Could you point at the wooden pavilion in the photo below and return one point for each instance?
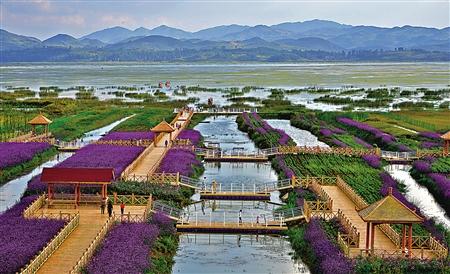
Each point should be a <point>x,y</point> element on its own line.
<point>446,138</point>
<point>162,127</point>
<point>77,177</point>
<point>389,210</point>
<point>40,120</point>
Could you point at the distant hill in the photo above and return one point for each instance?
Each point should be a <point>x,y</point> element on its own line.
<point>309,40</point>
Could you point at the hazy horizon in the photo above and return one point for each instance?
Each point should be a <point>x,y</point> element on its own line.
<point>46,18</point>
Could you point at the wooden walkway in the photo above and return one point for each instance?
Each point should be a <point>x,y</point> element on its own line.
<point>342,201</point>
<point>150,162</point>
<point>71,250</point>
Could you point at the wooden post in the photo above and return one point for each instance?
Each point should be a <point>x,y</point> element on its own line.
<point>115,197</point>
<point>372,238</point>
<point>410,241</point>
<point>403,238</point>
<point>367,237</point>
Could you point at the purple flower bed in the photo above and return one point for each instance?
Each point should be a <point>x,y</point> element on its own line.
<point>126,249</point>
<point>263,128</point>
<point>21,239</point>
<point>129,135</point>
<point>16,153</point>
<point>384,137</point>
<point>193,135</point>
<point>443,184</point>
<point>284,168</point>
<point>430,135</point>
<point>179,160</point>
<point>165,224</point>
<point>339,143</point>
<point>338,130</point>
<point>428,144</point>
<point>422,166</point>
<point>329,257</point>
<point>372,160</point>
<point>326,132</point>
<point>103,156</point>
<point>362,142</point>
<point>388,182</point>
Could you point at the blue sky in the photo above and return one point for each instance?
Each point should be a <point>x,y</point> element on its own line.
<point>45,18</point>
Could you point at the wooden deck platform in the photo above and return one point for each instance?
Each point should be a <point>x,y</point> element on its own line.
<point>70,251</point>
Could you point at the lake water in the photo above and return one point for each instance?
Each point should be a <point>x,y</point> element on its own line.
<point>218,253</point>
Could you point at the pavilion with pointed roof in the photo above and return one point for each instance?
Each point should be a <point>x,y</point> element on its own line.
<point>446,138</point>
<point>389,210</point>
<point>40,120</point>
<point>164,128</point>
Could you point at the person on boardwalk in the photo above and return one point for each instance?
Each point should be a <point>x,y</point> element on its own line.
<point>214,186</point>
<point>122,208</point>
<point>110,208</point>
<point>240,216</point>
<point>102,206</point>
<point>203,207</point>
<point>166,143</point>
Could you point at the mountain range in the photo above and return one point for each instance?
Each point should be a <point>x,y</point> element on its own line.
<point>282,39</point>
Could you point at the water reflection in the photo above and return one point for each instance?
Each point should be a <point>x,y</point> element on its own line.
<point>418,195</point>
<point>301,137</point>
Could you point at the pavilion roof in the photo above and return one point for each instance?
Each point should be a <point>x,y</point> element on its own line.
<point>163,127</point>
<point>446,136</point>
<point>77,175</point>
<point>389,210</point>
<point>40,120</point>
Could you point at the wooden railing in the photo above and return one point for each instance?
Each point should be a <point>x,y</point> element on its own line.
<point>129,218</point>
<point>139,200</point>
<point>48,250</point>
<point>137,161</point>
<point>317,188</point>
<point>352,237</point>
<point>348,190</point>
<point>34,206</point>
<point>89,252</point>
<point>148,207</point>
<point>139,142</point>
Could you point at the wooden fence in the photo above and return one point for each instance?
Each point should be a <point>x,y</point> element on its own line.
<point>139,142</point>
<point>348,190</point>
<point>48,250</point>
<point>136,161</point>
<point>34,206</point>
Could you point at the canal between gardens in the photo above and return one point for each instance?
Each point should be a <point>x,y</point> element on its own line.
<point>219,253</point>
<point>13,190</point>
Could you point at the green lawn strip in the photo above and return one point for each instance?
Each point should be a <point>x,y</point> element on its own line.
<point>74,126</point>
<point>146,118</point>
<point>10,173</point>
<point>348,139</point>
<point>441,165</point>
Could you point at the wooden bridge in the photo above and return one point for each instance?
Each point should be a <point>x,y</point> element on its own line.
<point>216,155</point>
<point>236,191</point>
<point>220,111</point>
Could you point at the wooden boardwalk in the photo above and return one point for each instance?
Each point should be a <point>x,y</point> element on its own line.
<point>150,162</point>
<point>71,250</point>
<point>342,201</point>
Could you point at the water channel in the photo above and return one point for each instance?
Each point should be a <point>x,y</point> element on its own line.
<point>218,253</point>
<point>11,192</point>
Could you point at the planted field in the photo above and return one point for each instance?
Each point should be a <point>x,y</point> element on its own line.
<point>21,239</point>
<point>362,178</point>
<point>145,119</point>
<point>181,160</point>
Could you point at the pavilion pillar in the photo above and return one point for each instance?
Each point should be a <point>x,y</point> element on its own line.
<point>49,190</point>
<point>410,241</point>
<point>403,238</point>
<point>367,237</point>
<point>446,147</point>
<point>372,238</point>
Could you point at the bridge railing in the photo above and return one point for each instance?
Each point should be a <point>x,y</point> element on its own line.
<point>89,253</point>
<point>246,188</point>
<point>170,211</point>
<point>220,110</point>
<point>48,250</point>
<point>232,219</point>
<point>190,182</point>
<point>398,155</point>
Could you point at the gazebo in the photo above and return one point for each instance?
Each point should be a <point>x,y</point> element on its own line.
<point>77,177</point>
<point>40,120</point>
<point>446,138</point>
<point>389,210</point>
<point>162,127</point>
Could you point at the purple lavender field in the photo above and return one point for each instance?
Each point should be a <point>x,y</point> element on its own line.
<point>96,156</point>
<point>179,160</point>
<point>15,153</point>
<point>21,239</point>
<point>193,135</point>
<point>129,135</point>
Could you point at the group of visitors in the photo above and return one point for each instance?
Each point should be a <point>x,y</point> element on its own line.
<point>107,203</point>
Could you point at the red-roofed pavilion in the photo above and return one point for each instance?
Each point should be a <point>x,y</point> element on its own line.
<point>77,177</point>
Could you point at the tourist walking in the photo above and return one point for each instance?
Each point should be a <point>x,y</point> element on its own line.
<point>203,207</point>
<point>102,206</point>
<point>166,143</point>
<point>110,208</point>
<point>122,208</point>
<point>240,216</point>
